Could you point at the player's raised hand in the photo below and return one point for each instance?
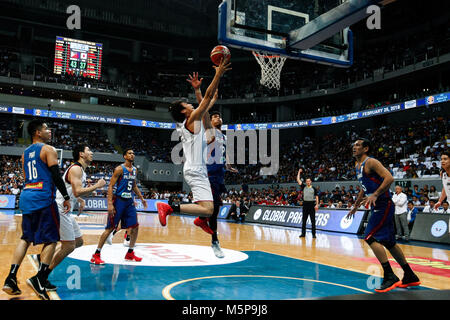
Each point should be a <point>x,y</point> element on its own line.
<point>224,66</point>
<point>194,81</point>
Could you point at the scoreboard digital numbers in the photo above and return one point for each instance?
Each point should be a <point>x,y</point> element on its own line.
<point>78,57</point>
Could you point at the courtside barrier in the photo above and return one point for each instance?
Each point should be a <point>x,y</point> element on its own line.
<point>7,201</point>
<point>326,219</point>
<point>433,227</point>
<point>101,204</point>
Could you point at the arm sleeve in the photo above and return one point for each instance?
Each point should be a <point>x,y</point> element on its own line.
<point>59,183</point>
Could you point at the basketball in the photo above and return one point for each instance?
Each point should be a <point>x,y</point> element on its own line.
<point>218,53</point>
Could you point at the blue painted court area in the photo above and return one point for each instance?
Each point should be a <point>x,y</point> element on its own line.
<point>263,276</point>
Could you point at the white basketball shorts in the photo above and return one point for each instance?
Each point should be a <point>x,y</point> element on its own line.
<point>69,229</point>
<point>197,179</point>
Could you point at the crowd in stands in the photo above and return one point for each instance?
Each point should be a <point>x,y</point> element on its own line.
<point>11,180</point>
<point>146,142</point>
<point>66,134</point>
<point>409,151</point>
<point>8,133</point>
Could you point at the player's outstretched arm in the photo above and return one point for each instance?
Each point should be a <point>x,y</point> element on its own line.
<point>209,130</point>
<point>198,113</point>
<point>75,176</point>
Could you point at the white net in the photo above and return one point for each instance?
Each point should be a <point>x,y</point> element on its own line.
<point>271,66</point>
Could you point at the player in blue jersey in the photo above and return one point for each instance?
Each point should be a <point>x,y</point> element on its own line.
<point>216,166</point>
<point>40,216</point>
<point>121,207</point>
<point>375,181</point>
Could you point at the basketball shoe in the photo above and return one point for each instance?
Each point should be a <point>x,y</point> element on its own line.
<point>10,286</point>
<point>96,259</point>
<point>130,256</point>
<point>390,281</point>
<point>38,288</point>
<point>217,250</point>
<point>409,280</point>
<point>203,223</point>
<point>164,210</point>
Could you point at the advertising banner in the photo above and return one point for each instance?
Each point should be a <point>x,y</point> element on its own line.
<point>101,204</point>
<point>386,109</point>
<point>7,201</point>
<point>432,227</point>
<point>326,219</point>
<point>224,211</point>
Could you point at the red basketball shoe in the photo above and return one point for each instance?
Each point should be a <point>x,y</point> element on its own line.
<point>203,223</point>
<point>164,210</point>
<point>96,259</point>
<point>131,257</point>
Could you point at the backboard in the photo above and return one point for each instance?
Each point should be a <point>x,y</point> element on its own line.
<point>311,30</point>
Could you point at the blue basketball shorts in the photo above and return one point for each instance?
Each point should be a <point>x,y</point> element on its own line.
<point>41,226</point>
<point>126,214</point>
<point>381,222</point>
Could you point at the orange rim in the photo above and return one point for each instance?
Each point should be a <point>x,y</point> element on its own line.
<point>266,56</point>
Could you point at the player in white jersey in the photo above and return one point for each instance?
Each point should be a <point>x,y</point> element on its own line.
<point>445,175</point>
<point>217,164</point>
<point>75,180</point>
<point>191,126</point>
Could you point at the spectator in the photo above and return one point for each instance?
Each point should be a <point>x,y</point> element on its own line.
<point>412,212</point>
<point>430,207</point>
<point>433,194</point>
<point>416,193</point>
<point>401,213</point>
<point>445,208</point>
<point>416,201</point>
<point>434,170</point>
<point>235,210</point>
<point>330,204</point>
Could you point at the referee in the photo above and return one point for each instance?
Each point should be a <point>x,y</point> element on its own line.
<point>310,204</point>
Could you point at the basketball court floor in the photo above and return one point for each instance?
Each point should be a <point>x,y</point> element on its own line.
<point>261,263</point>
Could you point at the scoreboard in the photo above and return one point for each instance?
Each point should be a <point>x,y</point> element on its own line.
<point>78,57</point>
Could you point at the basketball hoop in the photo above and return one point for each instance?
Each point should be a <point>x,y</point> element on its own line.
<point>271,66</point>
